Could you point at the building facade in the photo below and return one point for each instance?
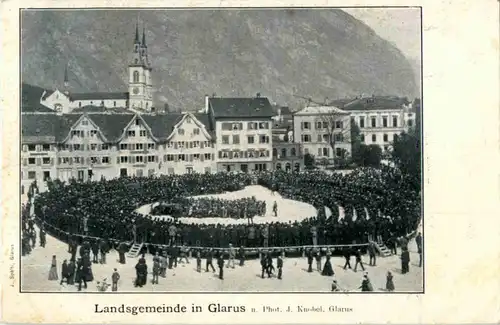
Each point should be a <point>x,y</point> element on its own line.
<point>323,131</point>
<point>244,133</point>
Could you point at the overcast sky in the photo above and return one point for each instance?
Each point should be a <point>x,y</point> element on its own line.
<point>401,26</point>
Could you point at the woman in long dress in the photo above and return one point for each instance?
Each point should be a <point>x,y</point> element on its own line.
<point>53,270</point>
<point>389,286</point>
<point>327,268</point>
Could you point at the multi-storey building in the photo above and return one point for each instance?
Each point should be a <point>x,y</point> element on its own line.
<point>323,131</point>
<point>287,155</point>
<point>244,132</point>
<point>380,118</point>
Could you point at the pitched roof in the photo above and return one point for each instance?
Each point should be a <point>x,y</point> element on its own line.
<point>39,126</point>
<point>101,109</point>
<point>30,98</point>
<point>241,107</point>
<point>320,110</point>
<point>340,103</point>
<point>285,110</point>
<point>376,103</point>
<point>162,125</point>
<point>111,125</point>
<point>98,96</point>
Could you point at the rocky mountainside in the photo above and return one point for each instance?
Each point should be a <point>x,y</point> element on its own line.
<point>279,53</point>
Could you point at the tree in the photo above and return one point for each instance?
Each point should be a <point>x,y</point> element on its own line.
<point>309,161</point>
<point>355,142</point>
<point>406,154</point>
<point>368,156</point>
<point>333,121</point>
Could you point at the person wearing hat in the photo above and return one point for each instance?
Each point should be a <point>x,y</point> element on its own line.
<point>241,254</point>
<point>209,260</point>
<point>405,261</point>
<point>366,284</point>
<point>279,265</point>
<point>220,264</point>
<point>115,277</point>
<point>389,285</point>
<point>310,259</point>
<point>335,286</point>
<point>358,261</point>
<point>230,260</point>
<point>64,272</point>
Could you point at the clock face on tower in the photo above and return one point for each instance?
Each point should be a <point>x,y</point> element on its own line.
<point>135,90</point>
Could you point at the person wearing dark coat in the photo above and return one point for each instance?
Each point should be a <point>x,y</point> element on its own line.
<point>95,251</point>
<point>420,256</point>
<point>405,261</point>
<point>310,259</point>
<point>327,268</point>
<point>65,272</point>
<point>279,265</point>
<point>317,256</point>
<point>43,239</point>
<point>115,277</point>
<point>198,261</point>
<point>270,266</point>
<point>366,284</point>
<point>373,254</point>
<point>358,261</point>
<point>81,274</point>
<point>209,262</point>
<point>263,265</point>
<point>104,249</point>
<point>241,254</point>
<point>347,256</point>
<point>141,270</point>
<point>220,264</point>
<point>122,249</point>
<point>418,240</point>
<point>71,272</point>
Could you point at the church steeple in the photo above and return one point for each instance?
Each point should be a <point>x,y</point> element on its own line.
<point>137,41</point>
<point>66,80</point>
<point>144,37</point>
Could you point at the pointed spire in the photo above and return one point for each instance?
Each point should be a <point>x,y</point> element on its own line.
<point>144,37</point>
<point>137,33</point>
<point>66,79</point>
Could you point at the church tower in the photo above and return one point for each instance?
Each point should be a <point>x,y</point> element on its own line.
<point>140,84</point>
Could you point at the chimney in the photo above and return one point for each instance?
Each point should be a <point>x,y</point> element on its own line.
<point>206,104</point>
<point>258,95</point>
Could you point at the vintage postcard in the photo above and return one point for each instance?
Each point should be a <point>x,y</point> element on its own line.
<point>249,162</point>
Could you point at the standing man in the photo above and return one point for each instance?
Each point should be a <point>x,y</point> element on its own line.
<point>263,264</point>
<point>275,208</point>
<point>279,265</point>
<point>220,264</point>
<point>114,280</point>
<point>241,254</point>
<point>310,260</point>
<point>405,261</point>
<point>358,261</point>
<point>65,272</point>
<point>156,270</point>
<point>265,234</point>
<point>372,251</point>
<point>230,261</point>
<point>210,256</point>
<point>418,240</point>
<point>347,256</point>
<point>314,235</point>
<point>42,236</point>
<point>420,256</point>
<point>198,261</point>
<point>318,260</point>
<point>81,273</point>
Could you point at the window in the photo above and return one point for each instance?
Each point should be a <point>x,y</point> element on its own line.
<point>361,122</point>
<point>236,126</point>
<point>137,121</point>
<point>263,139</point>
<point>77,160</point>
<point>31,161</point>
<point>374,122</point>
<point>320,138</point>
<point>180,144</point>
<point>236,139</point>
<point>31,147</point>
<point>306,138</point>
<point>123,146</point>
<point>339,124</point>
<point>77,147</point>
<point>93,132</point>
<point>136,76</point>
<point>410,123</point>
<point>139,159</point>
<point>262,153</point>
<point>326,152</point>
<point>105,160</point>
<point>293,152</point>
<point>65,160</point>
<point>102,103</point>
<point>131,133</point>
<point>79,104</point>
<point>278,166</point>
<point>93,146</point>
<point>46,147</point>
<point>374,138</point>
<point>318,125</point>
<point>196,156</point>
<point>180,131</point>
<point>46,161</point>
<point>85,122</point>
<point>339,137</point>
<point>251,139</point>
<point>104,146</point>
<point>196,144</point>
<point>395,121</point>
<point>208,156</point>
<point>339,152</point>
<point>142,133</point>
<point>263,125</point>
<point>283,152</point>
<point>31,175</point>
<point>386,138</point>
<point>384,121</point>
<point>196,131</point>
<point>151,158</point>
<point>226,126</point>
<point>139,146</point>
<point>362,137</point>
<point>326,137</point>
<point>124,159</point>
<point>114,103</point>
<point>170,158</point>
<point>77,133</point>
<point>319,152</point>
<point>151,146</point>
<point>93,160</point>
<point>225,139</point>
<point>252,126</point>
<point>182,157</point>
<point>306,125</point>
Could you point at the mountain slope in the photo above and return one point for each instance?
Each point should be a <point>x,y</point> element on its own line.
<point>313,53</point>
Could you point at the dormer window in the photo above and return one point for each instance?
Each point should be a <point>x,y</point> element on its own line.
<point>58,107</point>
<point>79,104</point>
<point>181,131</point>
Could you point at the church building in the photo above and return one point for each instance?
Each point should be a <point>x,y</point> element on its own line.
<point>139,96</point>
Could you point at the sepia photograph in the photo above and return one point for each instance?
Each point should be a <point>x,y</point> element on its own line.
<point>221,150</point>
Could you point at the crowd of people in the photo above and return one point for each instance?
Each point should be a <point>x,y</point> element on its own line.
<point>205,207</point>
<point>377,204</point>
